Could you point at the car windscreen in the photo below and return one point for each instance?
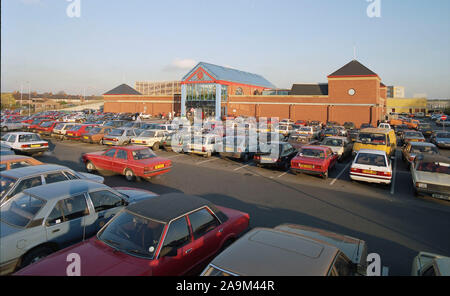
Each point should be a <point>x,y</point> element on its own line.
<point>315,153</point>
<point>145,153</point>
<point>332,131</point>
<point>75,128</point>
<point>46,123</point>
<point>29,138</point>
<point>371,138</point>
<point>148,134</point>
<point>333,142</point>
<point>443,135</point>
<point>95,130</point>
<point>133,234</point>
<point>6,183</point>
<point>413,135</point>
<point>116,132</point>
<point>305,129</point>
<point>371,159</point>
<point>59,126</point>
<point>424,149</point>
<point>434,167</point>
<point>21,210</point>
<point>425,126</point>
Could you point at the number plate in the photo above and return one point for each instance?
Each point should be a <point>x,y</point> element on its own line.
<point>70,134</point>
<point>306,166</point>
<point>229,149</point>
<point>160,166</point>
<point>86,137</point>
<point>266,158</point>
<point>139,142</point>
<point>440,196</point>
<point>369,172</point>
<point>36,145</point>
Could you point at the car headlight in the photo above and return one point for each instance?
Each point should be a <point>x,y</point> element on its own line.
<point>421,185</point>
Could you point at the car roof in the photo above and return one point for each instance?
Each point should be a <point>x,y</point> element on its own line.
<point>21,133</point>
<point>130,148</point>
<point>422,144</point>
<point>375,130</point>
<point>336,137</point>
<point>433,158</point>
<point>372,151</point>
<point>166,207</point>
<point>318,147</point>
<point>265,251</point>
<point>8,158</point>
<point>32,170</point>
<point>63,189</point>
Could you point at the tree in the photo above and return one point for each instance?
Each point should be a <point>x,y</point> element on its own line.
<point>7,100</point>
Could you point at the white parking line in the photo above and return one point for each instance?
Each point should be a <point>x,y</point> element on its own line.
<point>282,174</point>
<point>340,174</point>
<point>170,157</point>
<point>394,175</point>
<point>241,167</point>
<point>209,160</point>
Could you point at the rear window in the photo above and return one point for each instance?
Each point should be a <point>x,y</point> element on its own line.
<point>376,139</point>
<point>21,210</point>
<point>371,159</point>
<point>29,138</point>
<point>434,167</point>
<point>424,149</point>
<point>116,132</point>
<point>316,153</point>
<point>413,134</point>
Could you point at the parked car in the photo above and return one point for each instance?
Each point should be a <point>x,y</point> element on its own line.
<point>308,131</point>
<point>314,160</point>
<point>11,125</point>
<point>349,125</point>
<point>10,162</point>
<point>412,136</point>
<point>59,131</point>
<point>426,129</point>
<point>431,176</point>
<point>291,250</point>
<point>204,145</point>
<point>443,123</point>
<point>339,145</point>
<point>78,131</point>
<point>366,125</point>
<point>372,166</point>
<point>44,219</point>
<point>175,141</point>
<point>301,122</point>
<point>150,138</point>
<point>6,150</point>
<point>353,135</point>
<point>130,161</point>
<point>95,135</point>
<point>400,130</point>
<point>23,142</point>
<point>238,147</point>
<point>441,139</point>
<point>384,125</point>
<point>15,181</point>
<point>36,124</point>
<point>119,136</point>
<point>428,264</point>
<point>376,139</point>
<point>153,237</point>
<point>275,154</point>
<point>329,132</point>
<point>412,149</point>
<point>116,123</point>
<point>47,127</point>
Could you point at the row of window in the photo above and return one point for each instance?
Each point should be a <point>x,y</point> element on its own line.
<point>204,92</point>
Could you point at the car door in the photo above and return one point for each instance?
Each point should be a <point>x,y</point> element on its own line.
<point>178,239</point>
<point>106,205</point>
<point>106,160</point>
<point>65,223</point>
<point>207,233</point>
<point>119,163</point>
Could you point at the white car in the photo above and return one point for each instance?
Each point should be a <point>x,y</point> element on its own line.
<point>145,116</point>
<point>10,125</point>
<point>166,127</point>
<point>204,145</point>
<point>29,143</point>
<point>59,131</point>
<point>384,126</point>
<point>150,138</point>
<point>372,166</point>
<point>339,145</point>
<point>308,131</point>
<point>342,131</point>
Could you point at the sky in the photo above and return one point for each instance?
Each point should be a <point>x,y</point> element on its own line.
<point>286,41</point>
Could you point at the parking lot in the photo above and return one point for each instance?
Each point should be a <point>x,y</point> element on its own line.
<point>394,223</point>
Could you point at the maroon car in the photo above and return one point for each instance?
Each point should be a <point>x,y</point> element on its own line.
<point>315,160</point>
<point>78,131</point>
<point>168,235</point>
<point>130,161</point>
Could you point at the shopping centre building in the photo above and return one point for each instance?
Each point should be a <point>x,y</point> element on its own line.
<point>352,93</point>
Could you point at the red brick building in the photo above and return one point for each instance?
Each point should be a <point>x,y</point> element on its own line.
<point>353,93</point>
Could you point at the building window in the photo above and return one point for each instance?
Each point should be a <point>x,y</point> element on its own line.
<point>239,91</point>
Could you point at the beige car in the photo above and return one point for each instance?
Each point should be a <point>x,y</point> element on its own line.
<point>431,176</point>
<point>291,250</point>
<point>428,264</point>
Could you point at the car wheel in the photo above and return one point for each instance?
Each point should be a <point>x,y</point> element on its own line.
<point>90,167</point>
<point>4,129</point>
<point>35,255</point>
<point>100,142</point>
<point>129,175</point>
<point>155,146</point>
<point>325,175</point>
<point>207,155</point>
<point>245,158</point>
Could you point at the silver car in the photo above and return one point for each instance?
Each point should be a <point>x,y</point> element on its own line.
<point>431,176</point>
<point>13,182</point>
<point>44,219</point>
<point>119,136</point>
<point>10,125</point>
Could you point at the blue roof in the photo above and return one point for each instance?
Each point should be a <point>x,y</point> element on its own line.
<point>231,75</point>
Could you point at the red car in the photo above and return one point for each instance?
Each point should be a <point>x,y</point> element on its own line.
<point>316,160</point>
<point>301,122</point>
<point>78,131</point>
<point>46,127</point>
<point>131,161</point>
<point>35,124</point>
<point>168,235</point>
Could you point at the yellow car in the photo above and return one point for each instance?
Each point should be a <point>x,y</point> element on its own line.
<point>376,139</point>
